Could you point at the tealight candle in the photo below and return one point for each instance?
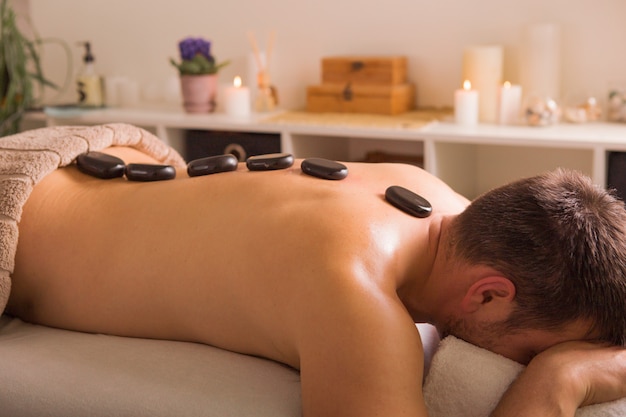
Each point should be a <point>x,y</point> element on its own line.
<point>510,104</point>
<point>466,105</point>
<point>237,99</point>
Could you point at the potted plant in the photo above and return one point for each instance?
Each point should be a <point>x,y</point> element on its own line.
<point>20,71</point>
<point>198,75</point>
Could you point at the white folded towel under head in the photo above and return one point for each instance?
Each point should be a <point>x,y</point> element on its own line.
<point>467,381</point>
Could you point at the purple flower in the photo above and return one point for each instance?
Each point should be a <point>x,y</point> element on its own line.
<point>190,47</point>
<point>196,57</point>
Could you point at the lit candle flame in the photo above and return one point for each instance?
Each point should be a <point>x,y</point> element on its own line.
<point>467,85</point>
<point>507,84</point>
<point>237,81</point>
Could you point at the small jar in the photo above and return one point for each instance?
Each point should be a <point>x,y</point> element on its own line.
<point>541,111</point>
<point>616,108</point>
<point>582,110</point>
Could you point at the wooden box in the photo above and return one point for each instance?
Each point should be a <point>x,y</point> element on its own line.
<point>377,99</point>
<point>364,70</point>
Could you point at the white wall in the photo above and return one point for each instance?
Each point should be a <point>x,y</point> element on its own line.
<point>136,37</point>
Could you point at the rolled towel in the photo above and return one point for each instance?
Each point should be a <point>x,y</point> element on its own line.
<point>467,381</point>
<point>27,157</point>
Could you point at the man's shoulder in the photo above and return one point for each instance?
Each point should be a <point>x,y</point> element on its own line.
<point>347,301</point>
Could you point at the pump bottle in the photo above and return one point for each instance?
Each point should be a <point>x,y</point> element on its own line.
<point>89,83</point>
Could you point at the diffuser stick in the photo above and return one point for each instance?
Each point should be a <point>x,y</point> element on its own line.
<point>255,49</point>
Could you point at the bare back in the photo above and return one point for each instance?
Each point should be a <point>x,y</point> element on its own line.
<point>264,263</point>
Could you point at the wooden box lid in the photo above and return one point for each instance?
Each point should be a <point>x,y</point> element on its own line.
<point>364,70</point>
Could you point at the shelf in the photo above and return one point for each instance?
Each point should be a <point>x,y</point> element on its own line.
<point>589,135</point>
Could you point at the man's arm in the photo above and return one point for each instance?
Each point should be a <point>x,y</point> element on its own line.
<point>565,377</point>
<point>361,355</point>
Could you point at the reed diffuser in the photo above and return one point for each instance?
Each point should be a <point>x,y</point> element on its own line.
<point>267,96</point>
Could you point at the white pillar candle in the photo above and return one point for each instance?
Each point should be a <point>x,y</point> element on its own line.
<point>510,104</point>
<point>483,65</point>
<point>466,105</point>
<point>540,64</point>
<point>237,99</point>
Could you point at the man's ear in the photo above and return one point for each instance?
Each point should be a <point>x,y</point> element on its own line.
<point>492,289</point>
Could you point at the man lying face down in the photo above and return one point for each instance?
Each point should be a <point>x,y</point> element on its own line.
<point>329,278</point>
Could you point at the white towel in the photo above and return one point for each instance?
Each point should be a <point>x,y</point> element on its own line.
<point>467,381</point>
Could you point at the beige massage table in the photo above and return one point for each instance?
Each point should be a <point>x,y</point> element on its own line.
<point>52,372</point>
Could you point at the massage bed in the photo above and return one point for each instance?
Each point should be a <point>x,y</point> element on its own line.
<point>61,373</point>
<point>53,372</point>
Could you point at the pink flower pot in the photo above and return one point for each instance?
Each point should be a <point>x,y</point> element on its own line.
<point>199,92</point>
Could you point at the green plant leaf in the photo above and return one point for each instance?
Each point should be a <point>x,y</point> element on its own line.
<point>199,65</point>
<point>20,71</point>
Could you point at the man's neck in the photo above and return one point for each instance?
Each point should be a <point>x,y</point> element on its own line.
<point>422,291</point>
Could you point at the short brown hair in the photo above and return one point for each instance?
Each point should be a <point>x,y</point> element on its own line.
<point>561,240</point>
